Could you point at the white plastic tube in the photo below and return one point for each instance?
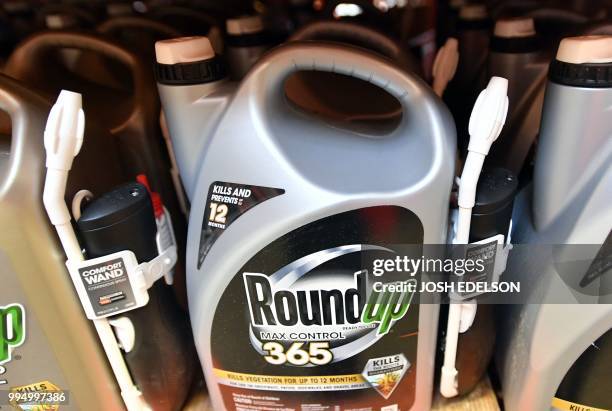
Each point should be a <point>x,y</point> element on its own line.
<point>77,202</point>
<point>467,195</point>
<point>486,122</point>
<point>63,140</point>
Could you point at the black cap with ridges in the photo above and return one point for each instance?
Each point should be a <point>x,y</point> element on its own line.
<point>187,60</point>
<point>515,35</point>
<point>583,62</point>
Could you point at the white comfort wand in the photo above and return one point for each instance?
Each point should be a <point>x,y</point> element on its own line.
<point>486,122</point>
<point>63,140</point>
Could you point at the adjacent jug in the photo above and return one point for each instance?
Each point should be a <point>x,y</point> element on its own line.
<point>283,203</point>
<point>516,52</point>
<point>545,354</point>
<point>247,40</point>
<point>56,345</point>
<point>473,34</point>
<point>119,94</point>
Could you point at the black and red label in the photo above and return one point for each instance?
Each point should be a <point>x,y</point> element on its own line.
<point>586,386</point>
<point>226,202</point>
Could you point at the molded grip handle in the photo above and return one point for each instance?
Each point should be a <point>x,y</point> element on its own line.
<point>27,112</point>
<point>117,24</point>
<point>559,15</point>
<point>31,53</point>
<point>177,12</point>
<point>265,82</point>
<point>599,29</point>
<point>83,16</point>
<point>357,35</point>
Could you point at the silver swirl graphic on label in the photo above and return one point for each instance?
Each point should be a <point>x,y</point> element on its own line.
<point>355,337</point>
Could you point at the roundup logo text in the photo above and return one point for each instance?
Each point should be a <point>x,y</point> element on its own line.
<point>12,330</point>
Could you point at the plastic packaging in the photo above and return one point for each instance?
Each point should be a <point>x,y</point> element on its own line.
<point>568,207</point>
<point>60,346</point>
<point>265,187</point>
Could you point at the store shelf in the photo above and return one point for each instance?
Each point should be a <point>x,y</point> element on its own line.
<point>481,399</point>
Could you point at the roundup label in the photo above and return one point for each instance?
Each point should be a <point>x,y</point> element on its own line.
<point>12,330</point>
<point>226,202</point>
<point>586,386</point>
<point>300,326</point>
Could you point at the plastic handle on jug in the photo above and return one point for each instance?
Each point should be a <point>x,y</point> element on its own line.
<point>554,14</point>
<point>362,36</point>
<point>117,24</point>
<point>34,47</point>
<point>63,140</point>
<point>486,122</point>
<point>168,13</point>
<point>266,80</point>
<point>25,109</point>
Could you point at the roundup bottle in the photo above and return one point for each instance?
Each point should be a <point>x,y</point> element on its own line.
<point>560,355</point>
<point>246,41</point>
<point>473,34</point>
<point>41,319</point>
<point>288,213</point>
<point>516,53</point>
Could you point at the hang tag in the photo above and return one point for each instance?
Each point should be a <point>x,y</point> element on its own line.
<point>109,285</point>
<point>492,254</point>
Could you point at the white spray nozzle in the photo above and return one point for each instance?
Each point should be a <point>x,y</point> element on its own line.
<point>445,65</point>
<point>488,116</point>
<point>64,131</point>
